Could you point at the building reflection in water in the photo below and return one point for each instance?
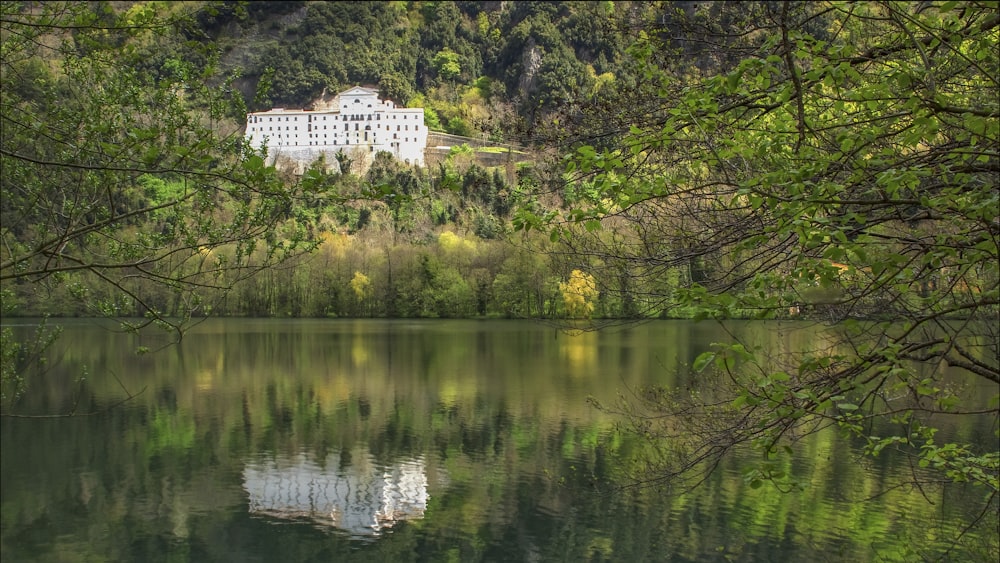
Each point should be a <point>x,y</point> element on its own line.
<point>363,499</point>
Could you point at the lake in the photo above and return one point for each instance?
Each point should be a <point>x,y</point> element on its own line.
<point>379,440</point>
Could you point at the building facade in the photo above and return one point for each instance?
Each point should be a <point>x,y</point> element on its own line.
<point>358,123</point>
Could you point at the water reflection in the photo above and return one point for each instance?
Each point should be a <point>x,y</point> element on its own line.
<point>363,499</point>
<point>306,440</point>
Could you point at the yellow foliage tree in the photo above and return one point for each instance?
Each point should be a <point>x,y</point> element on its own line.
<point>579,294</point>
<point>362,286</point>
<point>452,243</point>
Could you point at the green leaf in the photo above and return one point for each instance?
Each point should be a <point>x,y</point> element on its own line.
<point>702,361</point>
<point>903,80</point>
<point>733,80</point>
<point>254,163</point>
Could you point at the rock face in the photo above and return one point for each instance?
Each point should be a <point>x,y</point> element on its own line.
<point>531,62</point>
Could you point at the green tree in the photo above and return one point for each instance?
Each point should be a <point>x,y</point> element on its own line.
<point>130,193</point>
<point>844,169</point>
<point>445,63</point>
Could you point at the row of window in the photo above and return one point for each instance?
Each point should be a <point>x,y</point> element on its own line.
<point>347,142</point>
<point>346,128</point>
<point>334,143</point>
<point>374,139</point>
<point>356,117</point>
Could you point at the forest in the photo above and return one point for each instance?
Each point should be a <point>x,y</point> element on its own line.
<point>391,241</point>
<point>583,85</point>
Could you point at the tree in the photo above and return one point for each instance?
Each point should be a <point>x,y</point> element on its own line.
<point>445,63</point>
<point>844,170</point>
<point>131,193</point>
<point>362,287</point>
<point>579,294</point>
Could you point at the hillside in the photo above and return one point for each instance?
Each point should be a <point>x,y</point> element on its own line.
<point>494,69</point>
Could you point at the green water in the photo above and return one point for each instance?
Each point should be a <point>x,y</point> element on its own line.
<point>332,440</point>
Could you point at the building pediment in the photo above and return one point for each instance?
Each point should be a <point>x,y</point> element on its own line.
<point>358,91</point>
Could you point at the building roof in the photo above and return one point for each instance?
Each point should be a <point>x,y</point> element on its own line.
<point>359,91</point>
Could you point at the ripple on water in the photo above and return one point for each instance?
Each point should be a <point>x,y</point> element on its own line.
<point>360,497</point>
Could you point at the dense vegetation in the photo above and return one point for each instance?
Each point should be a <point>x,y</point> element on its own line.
<point>837,162</point>
<point>393,227</point>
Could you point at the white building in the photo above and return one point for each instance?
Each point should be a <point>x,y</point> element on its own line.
<point>357,122</point>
